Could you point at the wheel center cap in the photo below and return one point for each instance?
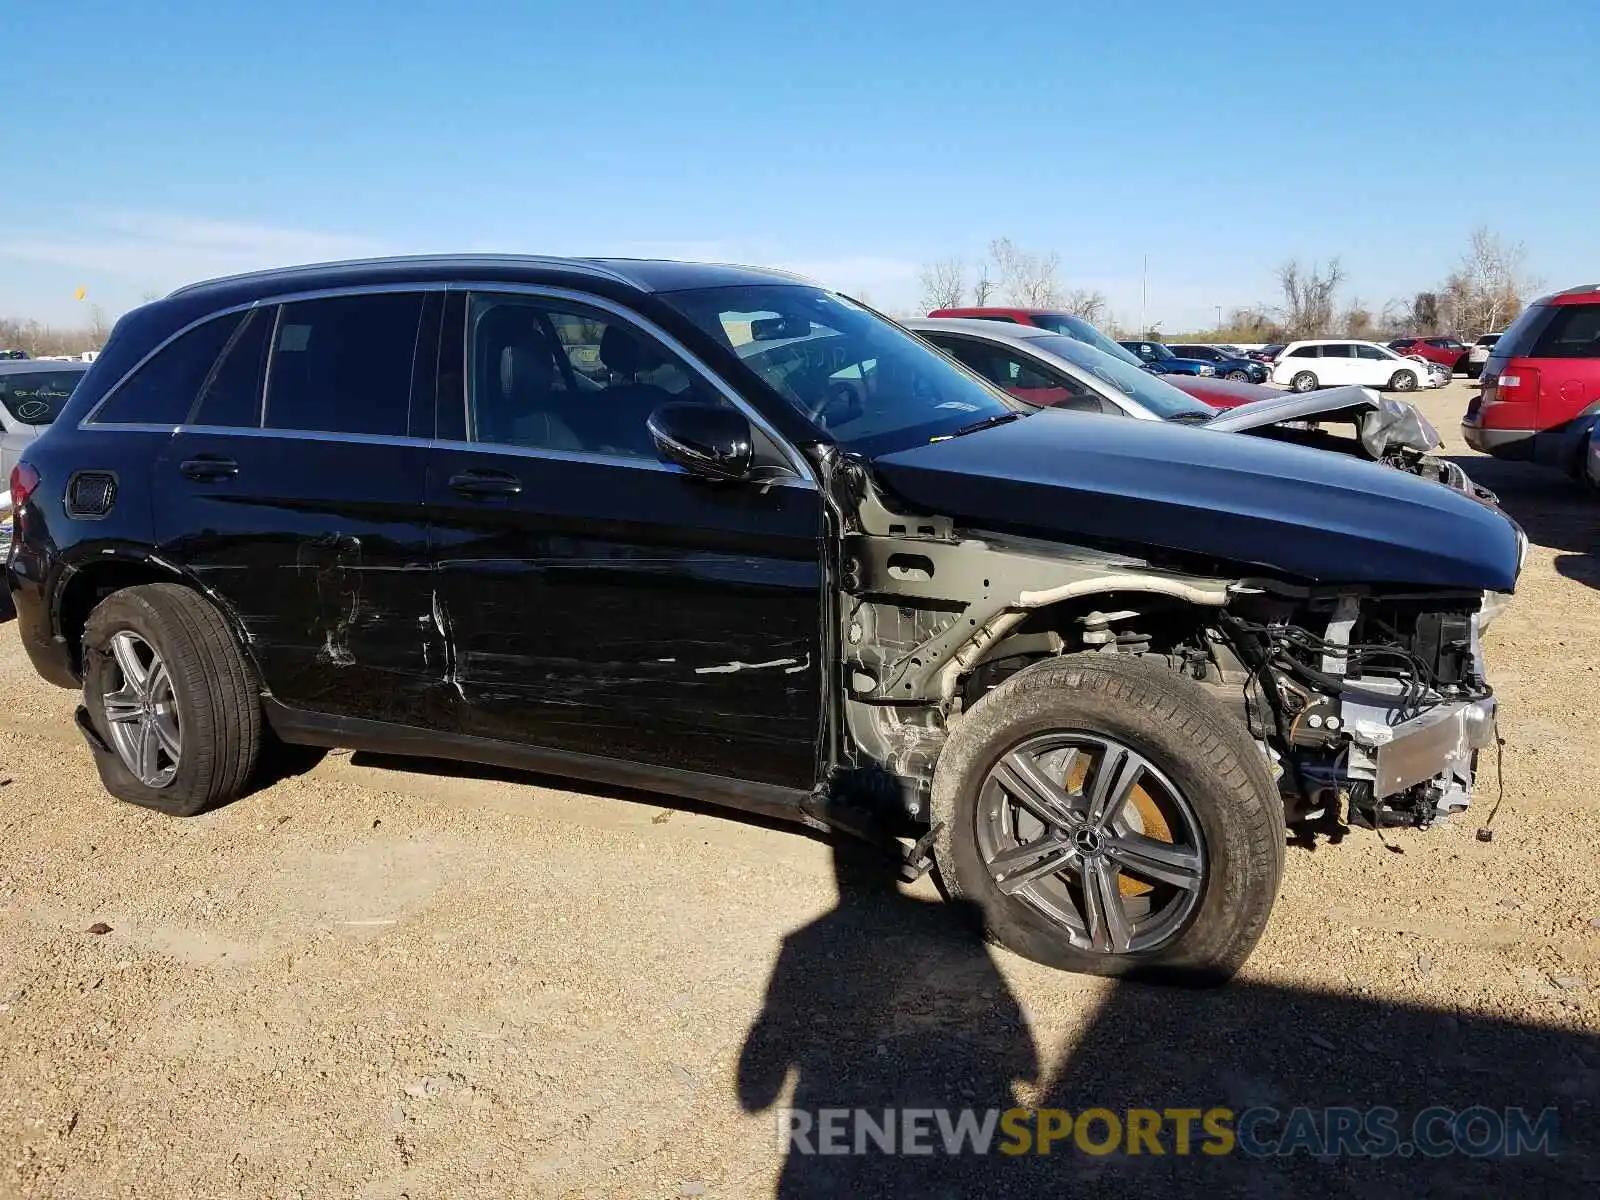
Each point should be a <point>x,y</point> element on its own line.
<point>1086,840</point>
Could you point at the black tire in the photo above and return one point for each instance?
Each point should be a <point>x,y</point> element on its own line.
<point>1303,381</point>
<point>1474,370</point>
<point>1195,742</point>
<point>217,700</point>
<point>1238,376</point>
<point>1403,381</point>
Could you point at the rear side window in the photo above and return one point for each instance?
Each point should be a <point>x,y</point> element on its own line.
<point>1573,332</point>
<point>344,365</point>
<point>162,391</point>
<point>1518,339</point>
<point>231,394</point>
<point>35,397</point>
<point>1303,352</point>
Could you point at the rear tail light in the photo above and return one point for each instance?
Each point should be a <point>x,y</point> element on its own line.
<point>24,482</point>
<point>1512,387</point>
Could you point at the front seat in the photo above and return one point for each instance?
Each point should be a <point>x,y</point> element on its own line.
<point>615,418</point>
<point>515,389</point>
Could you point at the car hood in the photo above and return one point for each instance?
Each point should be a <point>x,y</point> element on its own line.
<point>1383,423</point>
<point>1321,517</point>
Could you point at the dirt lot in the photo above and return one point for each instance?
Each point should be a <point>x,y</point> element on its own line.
<point>380,979</point>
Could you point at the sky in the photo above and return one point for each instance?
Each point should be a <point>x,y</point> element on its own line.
<point>847,139</point>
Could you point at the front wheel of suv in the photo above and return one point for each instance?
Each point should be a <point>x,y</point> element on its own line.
<point>171,698</point>
<point>1403,381</point>
<point>1104,815</point>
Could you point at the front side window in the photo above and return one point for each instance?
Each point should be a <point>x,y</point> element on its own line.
<point>867,382</point>
<point>163,390</point>
<point>1371,352</point>
<point>551,375</point>
<point>1031,382</point>
<point>35,397</point>
<point>344,364</point>
<point>1147,390</point>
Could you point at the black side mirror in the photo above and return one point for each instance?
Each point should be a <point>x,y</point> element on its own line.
<point>709,441</point>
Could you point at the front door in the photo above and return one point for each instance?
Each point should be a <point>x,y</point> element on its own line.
<point>294,493</point>
<point>593,598</point>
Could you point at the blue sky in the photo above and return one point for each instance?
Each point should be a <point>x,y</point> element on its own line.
<point>849,139</point>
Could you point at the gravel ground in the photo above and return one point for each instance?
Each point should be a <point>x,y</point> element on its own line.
<point>385,979</point>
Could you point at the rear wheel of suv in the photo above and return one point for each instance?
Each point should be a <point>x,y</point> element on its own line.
<point>171,697</point>
<point>1107,816</point>
<point>1403,381</point>
<point>1303,381</point>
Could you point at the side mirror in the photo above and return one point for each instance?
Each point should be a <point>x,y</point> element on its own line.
<point>704,439</point>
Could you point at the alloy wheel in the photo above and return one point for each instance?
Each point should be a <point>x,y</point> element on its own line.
<point>1095,838</point>
<point>142,711</point>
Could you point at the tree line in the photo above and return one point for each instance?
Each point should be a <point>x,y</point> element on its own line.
<point>1488,287</point>
<point>38,338</point>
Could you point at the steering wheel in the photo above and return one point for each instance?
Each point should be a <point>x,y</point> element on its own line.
<point>840,395</point>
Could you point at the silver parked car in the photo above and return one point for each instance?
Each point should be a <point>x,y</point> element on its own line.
<point>31,394</point>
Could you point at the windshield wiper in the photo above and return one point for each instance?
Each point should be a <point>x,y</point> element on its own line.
<point>987,423</point>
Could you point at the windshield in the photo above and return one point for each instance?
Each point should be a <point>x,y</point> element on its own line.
<point>1077,327</point>
<point>871,385</point>
<point>1161,398</point>
<point>35,397</point>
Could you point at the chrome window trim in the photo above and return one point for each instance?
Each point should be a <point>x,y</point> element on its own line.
<point>797,460</point>
<point>259,302</point>
<point>402,440</point>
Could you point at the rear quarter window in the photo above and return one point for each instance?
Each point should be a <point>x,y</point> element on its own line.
<point>1573,332</point>
<point>163,389</point>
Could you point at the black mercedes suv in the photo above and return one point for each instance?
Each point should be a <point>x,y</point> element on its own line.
<point>723,533</point>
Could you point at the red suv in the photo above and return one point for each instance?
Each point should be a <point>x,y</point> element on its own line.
<point>1541,385</point>
<point>1448,352</point>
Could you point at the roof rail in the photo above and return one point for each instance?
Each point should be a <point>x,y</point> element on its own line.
<point>581,265</point>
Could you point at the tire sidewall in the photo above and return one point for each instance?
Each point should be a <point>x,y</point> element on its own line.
<point>128,610</point>
<point>1226,923</point>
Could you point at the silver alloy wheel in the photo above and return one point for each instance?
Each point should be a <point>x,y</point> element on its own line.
<point>1305,381</point>
<point>1238,376</point>
<point>1405,381</point>
<point>1092,836</point>
<point>142,711</point>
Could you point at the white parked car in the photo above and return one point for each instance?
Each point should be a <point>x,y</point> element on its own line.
<point>1479,354</point>
<point>1335,362</point>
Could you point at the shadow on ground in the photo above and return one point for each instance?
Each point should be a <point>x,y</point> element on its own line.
<point>1555,511</point>
<point>890,1001</point>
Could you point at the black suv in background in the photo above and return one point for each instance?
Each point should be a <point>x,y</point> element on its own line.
<point>723,533</point>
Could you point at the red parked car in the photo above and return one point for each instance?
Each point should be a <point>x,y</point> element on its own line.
<point>1044,318</point>
<point>1448,352</point>
<point>1222,393</point>
<point>1541,385</point>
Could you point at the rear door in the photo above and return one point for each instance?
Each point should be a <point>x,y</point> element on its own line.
<point>294,491</point>
<point>1338,365</point>
<point>595,600</point>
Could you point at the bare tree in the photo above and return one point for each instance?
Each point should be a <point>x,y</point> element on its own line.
<point>983,288</point>
<point>1026,277</point>
<point>1308,297</point>
<point>1089,304</point>
<point>1488,287</point>
<point>944,284</point>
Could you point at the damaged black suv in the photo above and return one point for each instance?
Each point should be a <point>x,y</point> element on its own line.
<point>722,533</point>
